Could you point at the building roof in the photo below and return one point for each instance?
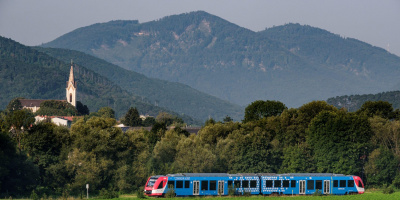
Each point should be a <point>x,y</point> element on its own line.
<point>194,130</point>
<point>191,130</point>
<point>34,102</point>
<point>31,102</point>
<point>68,118</point>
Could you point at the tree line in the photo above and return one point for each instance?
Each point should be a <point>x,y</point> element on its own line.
<point>316,137</point>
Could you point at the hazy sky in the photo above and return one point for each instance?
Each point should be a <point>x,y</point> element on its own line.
<point>373,21</point>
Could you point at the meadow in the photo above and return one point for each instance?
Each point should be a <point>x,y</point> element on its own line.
<point>369,195</point>
<point>375,195</point>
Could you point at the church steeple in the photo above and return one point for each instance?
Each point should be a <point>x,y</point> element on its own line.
<point>71,87</point>
<point>71,73</point>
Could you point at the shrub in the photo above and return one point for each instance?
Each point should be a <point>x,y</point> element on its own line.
<point>396,181</point>
<point>108,194</point>
<point>139,194</point>
<point>317,193</point>
<point>34,196</point>
<point>246,193</point>
<point>65,194</point>
<point>388,190</point>
<point>170,193</point>
<point>231,191</point>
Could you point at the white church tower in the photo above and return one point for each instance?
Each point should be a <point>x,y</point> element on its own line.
<point>71,87</point>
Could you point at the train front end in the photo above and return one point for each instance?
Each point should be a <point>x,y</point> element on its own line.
<point>359,184</point>
<point>155,186</point>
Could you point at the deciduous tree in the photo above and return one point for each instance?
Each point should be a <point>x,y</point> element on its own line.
<point>263,109</point>
<point>339,140</point>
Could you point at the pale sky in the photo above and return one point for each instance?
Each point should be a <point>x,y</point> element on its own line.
<point>376,22</point>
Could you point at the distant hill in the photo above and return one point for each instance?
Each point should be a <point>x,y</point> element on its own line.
<point>28,73</point>
<point>174,96</point>
<point>292,63</point>
<point>354,102</point>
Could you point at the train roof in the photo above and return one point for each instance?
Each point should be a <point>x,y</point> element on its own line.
<point>301,174</point>
<point>251,174</point>
<point>210,175</point>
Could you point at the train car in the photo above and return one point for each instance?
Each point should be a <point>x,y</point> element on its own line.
<point>200,184</point>
<point>309,183</point>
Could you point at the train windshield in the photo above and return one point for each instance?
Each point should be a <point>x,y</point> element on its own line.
<point>360,184</point>
<point>151,182</point>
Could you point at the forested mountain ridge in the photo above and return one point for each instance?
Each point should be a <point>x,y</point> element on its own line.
<point>325,49</point>
<point>32,74</point>
<point>171,95</point>
<point>354,102</point>
<point>291,63</point>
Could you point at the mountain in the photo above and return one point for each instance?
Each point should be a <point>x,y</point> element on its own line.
<point>292,63</point>
<point>28,73</point>
<point>354,102</point>
<point>171,95</point>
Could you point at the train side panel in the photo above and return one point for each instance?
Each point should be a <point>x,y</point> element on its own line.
<point>266,184</point>
<point>306,185</point>
<point>212,186</point>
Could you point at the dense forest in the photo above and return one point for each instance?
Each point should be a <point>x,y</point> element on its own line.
<point>292,63</point>
<point>354,102</point>
<point>171,95</point>
<point>316,137</point>
<point>31,74</point>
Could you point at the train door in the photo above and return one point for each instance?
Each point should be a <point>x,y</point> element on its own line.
<point>196,187</point>
<point>220,187</point>
<point>302,187</point>
<point>327,187</point>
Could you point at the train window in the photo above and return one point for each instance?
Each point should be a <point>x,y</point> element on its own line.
<point>268,183</point>
<point>204,185</point>
<point>179,184</point>
<point>171,184</point>
<point>310,185</point>
<point>161,185</point>
<point>151,182</point>
<point>230,184</point>
<point>293,183</point>
<point>245,184</point>
<point>277,183</point>
<point>342,183</point>
<point>237,184</point>
<point>253,184</point>
<point>213,185</point>
<point>360,185</point>
<point>187,184</point>
<point>350,183</point>
<point>318,184</point>
<point>285,183</point>
<point>335,183</point>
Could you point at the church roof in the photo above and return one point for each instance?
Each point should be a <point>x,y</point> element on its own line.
<point>33,102</point>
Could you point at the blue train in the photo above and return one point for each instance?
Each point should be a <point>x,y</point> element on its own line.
<point>193,184</point>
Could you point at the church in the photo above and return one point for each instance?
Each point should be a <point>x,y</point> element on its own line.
<point>34,104</point>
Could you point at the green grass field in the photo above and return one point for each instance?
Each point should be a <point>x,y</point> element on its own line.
<point>366,196</point>
<point>369,195</point>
